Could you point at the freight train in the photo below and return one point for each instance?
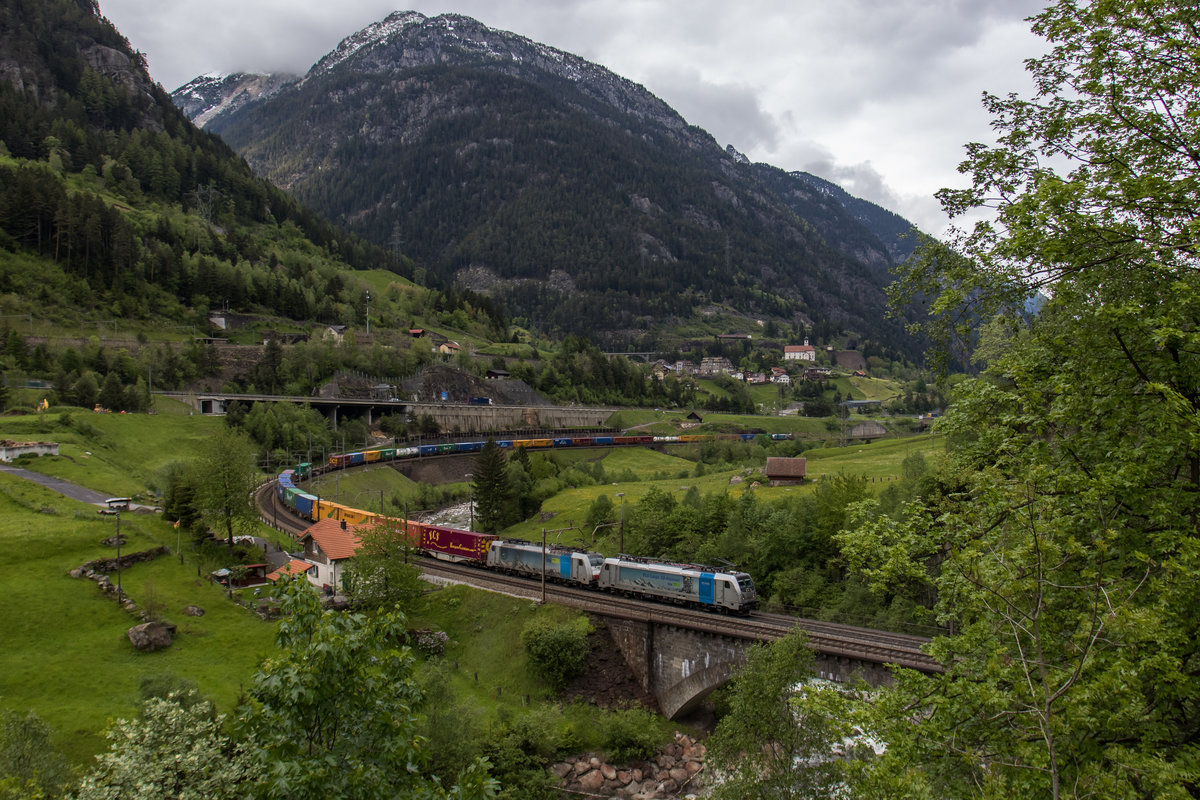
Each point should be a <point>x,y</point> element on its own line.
<point>342,460</point>
<point>687,584</point>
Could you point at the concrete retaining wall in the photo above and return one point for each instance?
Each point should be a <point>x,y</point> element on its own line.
<point>11,450</point>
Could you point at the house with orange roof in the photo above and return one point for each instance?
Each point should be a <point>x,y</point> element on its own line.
<point>327,544</point>
<point>291,569</point>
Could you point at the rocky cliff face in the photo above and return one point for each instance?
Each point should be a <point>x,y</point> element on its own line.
<point>210,95</point>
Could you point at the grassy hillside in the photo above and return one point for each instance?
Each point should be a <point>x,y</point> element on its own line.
<point>66,655</point>
<point>117,454</point>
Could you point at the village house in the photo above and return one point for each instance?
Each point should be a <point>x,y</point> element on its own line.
<point>713,365</point>
<point>328,544</point>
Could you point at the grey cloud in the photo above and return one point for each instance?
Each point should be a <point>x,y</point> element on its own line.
<point>731,112</point>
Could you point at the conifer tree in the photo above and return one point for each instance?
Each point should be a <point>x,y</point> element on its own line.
<point>490,487</point>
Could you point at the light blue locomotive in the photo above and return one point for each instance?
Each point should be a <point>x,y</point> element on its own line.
<point>562,563</point>
<point>686,584</point>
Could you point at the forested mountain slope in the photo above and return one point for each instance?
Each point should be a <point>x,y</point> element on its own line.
<point>113,202</point>
<point>578,198</point>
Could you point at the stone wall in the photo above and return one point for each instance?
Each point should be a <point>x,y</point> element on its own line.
<point>100,570</point>
<point>679,666</point>
<point>482,418</point>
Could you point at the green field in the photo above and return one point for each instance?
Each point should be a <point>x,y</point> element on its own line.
<point>673,472</point>
<point>117,454</point>
<point>66,655</point>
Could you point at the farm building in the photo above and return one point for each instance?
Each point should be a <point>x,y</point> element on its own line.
<point>786,471</point>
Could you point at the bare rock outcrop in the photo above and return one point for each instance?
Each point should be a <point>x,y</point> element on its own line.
<point>151,636</point>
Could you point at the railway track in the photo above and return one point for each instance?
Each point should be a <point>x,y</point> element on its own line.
<point>831,638</point>
<point>865,644</point>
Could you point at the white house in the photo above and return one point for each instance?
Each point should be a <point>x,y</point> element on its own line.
<point>328,544</point>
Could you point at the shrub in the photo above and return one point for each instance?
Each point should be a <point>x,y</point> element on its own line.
<point>557,651</point>
<point>429,642</point>
<point>630,735</point>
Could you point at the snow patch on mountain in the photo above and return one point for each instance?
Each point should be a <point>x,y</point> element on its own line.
<point>205,97</point>
<point>372,34</point>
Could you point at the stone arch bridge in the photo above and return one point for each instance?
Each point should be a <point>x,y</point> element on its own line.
<point>682,662</point>
<point>681,655</point>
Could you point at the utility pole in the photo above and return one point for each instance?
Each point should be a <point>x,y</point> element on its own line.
<point>621,540</point>
<point>118,557</point>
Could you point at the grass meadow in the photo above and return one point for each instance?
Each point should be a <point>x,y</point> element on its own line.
<point>66,655</point>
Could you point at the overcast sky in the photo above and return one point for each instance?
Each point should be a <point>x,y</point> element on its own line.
<point>877,95</point>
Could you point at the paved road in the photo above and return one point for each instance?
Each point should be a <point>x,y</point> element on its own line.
<point>68,489</point>
<point>71,490</point>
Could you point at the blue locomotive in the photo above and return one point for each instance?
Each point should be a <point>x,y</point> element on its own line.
<point>687,584</point>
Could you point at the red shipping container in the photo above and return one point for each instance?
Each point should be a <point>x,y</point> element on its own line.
<point>455,544</point>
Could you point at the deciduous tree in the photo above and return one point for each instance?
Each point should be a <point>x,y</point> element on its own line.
<point>557,651</point>
<point>770,745</point>
<point>225,475</point>
<point>30,766</point>
<point>1062,538</point>
<point>333,714</point>
<point>175,749</point>
<point>380,575</point>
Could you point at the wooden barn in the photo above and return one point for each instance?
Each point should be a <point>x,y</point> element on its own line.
<point>786,471</point>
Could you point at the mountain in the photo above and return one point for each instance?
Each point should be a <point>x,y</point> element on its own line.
<point>113,204</point>
<point>576,197</point>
